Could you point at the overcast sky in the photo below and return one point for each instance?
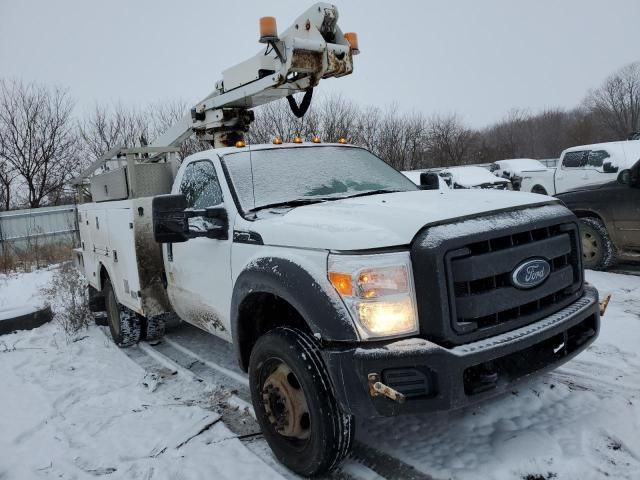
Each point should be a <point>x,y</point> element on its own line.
<point>476,58</point>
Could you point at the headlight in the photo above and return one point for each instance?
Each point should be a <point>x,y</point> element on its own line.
<point>379,292</point>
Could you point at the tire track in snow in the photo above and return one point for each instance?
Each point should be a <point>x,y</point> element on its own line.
<point>364,463</point>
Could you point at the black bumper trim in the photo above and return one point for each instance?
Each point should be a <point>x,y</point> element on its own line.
<point>448,367</point>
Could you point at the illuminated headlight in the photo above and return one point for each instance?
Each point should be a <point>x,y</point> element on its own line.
<point>379,292</point>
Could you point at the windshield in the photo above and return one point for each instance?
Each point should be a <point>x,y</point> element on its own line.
<point>306,174</point>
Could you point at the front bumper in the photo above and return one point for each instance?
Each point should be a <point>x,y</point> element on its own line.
<point>439,378</point>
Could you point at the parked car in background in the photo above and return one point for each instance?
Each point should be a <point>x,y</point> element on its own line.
<point>515,169</point>
<point>582,166</point>
<point>473,177</point>
<point>610,217</point>
<point>418,177</point>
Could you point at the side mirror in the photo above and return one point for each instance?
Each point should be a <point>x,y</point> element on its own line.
<point>607,167</point>
<point>429,181</point>
<point>173,223</point>
<point>625,177</point>
<point>170,223</point>
<point>516,182</point>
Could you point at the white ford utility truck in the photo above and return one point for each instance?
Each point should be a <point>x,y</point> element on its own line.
<point>346,290</point>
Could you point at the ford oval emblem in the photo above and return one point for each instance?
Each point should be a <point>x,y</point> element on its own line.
<point>531,273</point>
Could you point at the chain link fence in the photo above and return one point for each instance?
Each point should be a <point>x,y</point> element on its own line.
<point>37,237</point>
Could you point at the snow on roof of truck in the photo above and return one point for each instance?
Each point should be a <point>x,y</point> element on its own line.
<point>270,146</point>
<point>630,147</point>
<point>520,164</point>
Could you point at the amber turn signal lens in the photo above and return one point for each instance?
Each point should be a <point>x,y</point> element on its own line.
<point>342,141</point>
<point>352,40</point>
<point>240,144</point>
<point>342,283</point>
<point>277,141</point>
<point>316,140</point>
<point>297,140</point>
<point>268,29</point>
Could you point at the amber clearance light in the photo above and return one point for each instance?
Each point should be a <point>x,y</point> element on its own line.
<point>352,40</point>
<point>342,283</point>
<point>268,30</point>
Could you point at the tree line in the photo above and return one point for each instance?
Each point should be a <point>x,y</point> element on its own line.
<point>43,144</point>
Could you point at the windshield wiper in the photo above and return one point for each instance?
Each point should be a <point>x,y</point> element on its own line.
<point>372,192</point>
<point>298,202</point>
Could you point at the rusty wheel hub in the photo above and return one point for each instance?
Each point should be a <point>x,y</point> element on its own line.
<point>285,404</point>
<point>590,245</point>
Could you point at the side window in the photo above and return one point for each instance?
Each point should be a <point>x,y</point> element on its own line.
<point>200,185</point>
<point>597,158</point>
<point>575,159</point>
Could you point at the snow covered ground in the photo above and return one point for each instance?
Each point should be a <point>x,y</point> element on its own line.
<point>19,293</point>
<point>82,409</point>
<point>85,408</point>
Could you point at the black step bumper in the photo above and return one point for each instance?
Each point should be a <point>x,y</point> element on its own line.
<point>435,378</point>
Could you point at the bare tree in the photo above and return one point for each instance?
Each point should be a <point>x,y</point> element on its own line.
<point>7,176</point>
<point>338,118</point>
<point>164,115</point>
<point>111,126</point>
<point>616,103</point>
<point>449,141</point>
<point>276,120</point>
<point>37,136</point>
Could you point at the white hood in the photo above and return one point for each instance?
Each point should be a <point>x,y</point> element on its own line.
<point>379,221</point>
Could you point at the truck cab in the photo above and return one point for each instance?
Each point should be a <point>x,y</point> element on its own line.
<point>610,218</point>
<point>582,166</point>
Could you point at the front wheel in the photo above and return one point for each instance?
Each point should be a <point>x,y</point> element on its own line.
<point>295,405</point>
<point>539,189</point>
<point>598,251</point>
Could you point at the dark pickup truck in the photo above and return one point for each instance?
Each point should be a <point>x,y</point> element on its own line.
<point>610,219</point>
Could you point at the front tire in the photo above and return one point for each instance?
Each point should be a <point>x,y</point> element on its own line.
<point>124,324</point>
<point>539,189</point>
<point>295,405</point>
<point>598,251</point>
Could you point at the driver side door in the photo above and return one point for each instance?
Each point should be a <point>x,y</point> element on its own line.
<point>572,172</point>
<point>626,216</point>
<point>199,270</point>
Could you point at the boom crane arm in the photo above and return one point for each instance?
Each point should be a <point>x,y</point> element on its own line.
<point>313,48</point>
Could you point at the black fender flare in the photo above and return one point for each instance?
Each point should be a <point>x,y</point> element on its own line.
<point>324,315</point>
<point>582,212</point>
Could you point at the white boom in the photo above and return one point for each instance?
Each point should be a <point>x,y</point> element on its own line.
<point>311,49</point>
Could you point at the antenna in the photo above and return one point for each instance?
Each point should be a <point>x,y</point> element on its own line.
<point>253,184</point>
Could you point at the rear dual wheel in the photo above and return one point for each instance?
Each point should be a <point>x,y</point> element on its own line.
<point>124,324</point>
<point>295,405</point>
